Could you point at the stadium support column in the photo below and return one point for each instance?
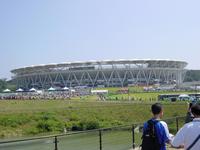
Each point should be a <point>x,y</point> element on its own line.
<point>179,79</point>
<point>17,82</point>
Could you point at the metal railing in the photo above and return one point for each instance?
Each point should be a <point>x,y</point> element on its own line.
<point>120,137</point>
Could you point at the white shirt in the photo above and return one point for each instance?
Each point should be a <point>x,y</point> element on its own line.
<point>166,129</point>
<point>187,135</point>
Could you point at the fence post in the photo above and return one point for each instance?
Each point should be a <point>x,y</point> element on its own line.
<point>177,126</point>
<point>100,140</point>
<point>133,137</point>
<point>56,143</point>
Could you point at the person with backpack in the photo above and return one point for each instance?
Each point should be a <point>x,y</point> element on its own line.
<point>189,135</point>
<point>155,131</point>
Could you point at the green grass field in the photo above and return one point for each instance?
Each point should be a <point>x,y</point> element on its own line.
<point>137,94</point>
<point>23,118</point>
<point>28,118</point>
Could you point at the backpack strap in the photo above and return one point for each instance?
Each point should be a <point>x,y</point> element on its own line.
<point>153,123</point>
<point>154,128</point>
<point>149,122</point>
<point>194,142</point>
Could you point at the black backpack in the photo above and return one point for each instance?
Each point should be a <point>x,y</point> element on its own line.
<point>149,138</point>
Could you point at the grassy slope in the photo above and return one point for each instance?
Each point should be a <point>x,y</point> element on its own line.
<point>24,118</point>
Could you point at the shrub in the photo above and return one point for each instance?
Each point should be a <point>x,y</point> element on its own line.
<point>74,117</point>
<point>47,116</point>
<point>13,121</point>
<point>49,123</point>
<point>85,125</point>
<point>91,124</point>
<point>32,131</point>
<point>76,126</point>
<point>49,126</point>
<point>116,123</point>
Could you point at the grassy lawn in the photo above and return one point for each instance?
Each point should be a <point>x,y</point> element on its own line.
<point>27,118</point>
<point>144,96</point>
<point>137,94</point>
<point>41,117</point>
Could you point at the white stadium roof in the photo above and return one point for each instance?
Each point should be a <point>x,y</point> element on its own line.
<point>177,63</point>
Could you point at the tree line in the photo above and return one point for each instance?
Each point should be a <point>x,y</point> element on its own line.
<point>192,75</point>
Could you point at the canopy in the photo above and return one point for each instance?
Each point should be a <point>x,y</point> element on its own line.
<point>65,88</point>
<point>72,90</point>
<point>184,95</point>
<point>19,90</point>
<point>32,90</point>
<point>51,89</point>
<point>99,91</point>
<point>6,90</point>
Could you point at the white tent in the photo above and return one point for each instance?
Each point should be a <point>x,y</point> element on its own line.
<point>184,96</point>
<point>19,90</point>
<point>99,91</point>
<point>39,91</point>
<point>65,88</point>
<point>32,90</point>
<point>6,90</point>
<point>51,89</point>
<point>72,90</point>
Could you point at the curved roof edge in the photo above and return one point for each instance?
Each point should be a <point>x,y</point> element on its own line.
<point>96,62</point>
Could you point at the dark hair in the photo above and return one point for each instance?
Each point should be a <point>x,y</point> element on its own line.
<point>195,109</point>
<point>156,108</point>
<point>190,105</point>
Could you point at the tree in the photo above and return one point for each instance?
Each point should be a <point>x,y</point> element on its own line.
<point>3,84</point>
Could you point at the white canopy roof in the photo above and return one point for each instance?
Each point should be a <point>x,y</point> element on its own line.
<point>65,88</point>
<point>6,90</point>
<point>32,90</point>
<point>72,90</point>
<point>19,90</point>
<point>184,95</point>
<point>99,91</point>
<point>51,89</point>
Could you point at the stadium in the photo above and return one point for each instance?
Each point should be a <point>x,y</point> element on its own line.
<point>108,73</point>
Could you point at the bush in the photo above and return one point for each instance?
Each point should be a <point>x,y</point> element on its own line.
<point>68,125</point>
<point>92,124</point>
<point>85,125</point>
<point>32,131</point>
<point>13,121</point>
<point>74,117</point>
<point>49,123</point>
<point>76,126</point>
<point>47,116</point>
<point>116,123</point>
<point>49,126</point>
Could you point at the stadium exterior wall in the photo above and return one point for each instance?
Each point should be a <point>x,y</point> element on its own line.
<point>101,73</point>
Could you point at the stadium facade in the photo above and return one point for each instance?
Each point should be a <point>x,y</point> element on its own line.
<point>101,73</point>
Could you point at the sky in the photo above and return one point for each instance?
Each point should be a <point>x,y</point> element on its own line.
<point>36,32</point>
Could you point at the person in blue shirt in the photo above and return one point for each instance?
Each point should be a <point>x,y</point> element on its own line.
<point>160,127</point>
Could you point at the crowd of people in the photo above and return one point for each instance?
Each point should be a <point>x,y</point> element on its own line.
<point>44,95</point>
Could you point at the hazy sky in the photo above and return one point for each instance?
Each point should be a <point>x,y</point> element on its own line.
<point>52,31</point>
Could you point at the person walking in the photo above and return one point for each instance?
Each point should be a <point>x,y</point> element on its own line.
<point>188,136</point>
<point>155,132</point>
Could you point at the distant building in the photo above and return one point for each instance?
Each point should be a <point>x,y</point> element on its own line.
<point>101,73</point>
